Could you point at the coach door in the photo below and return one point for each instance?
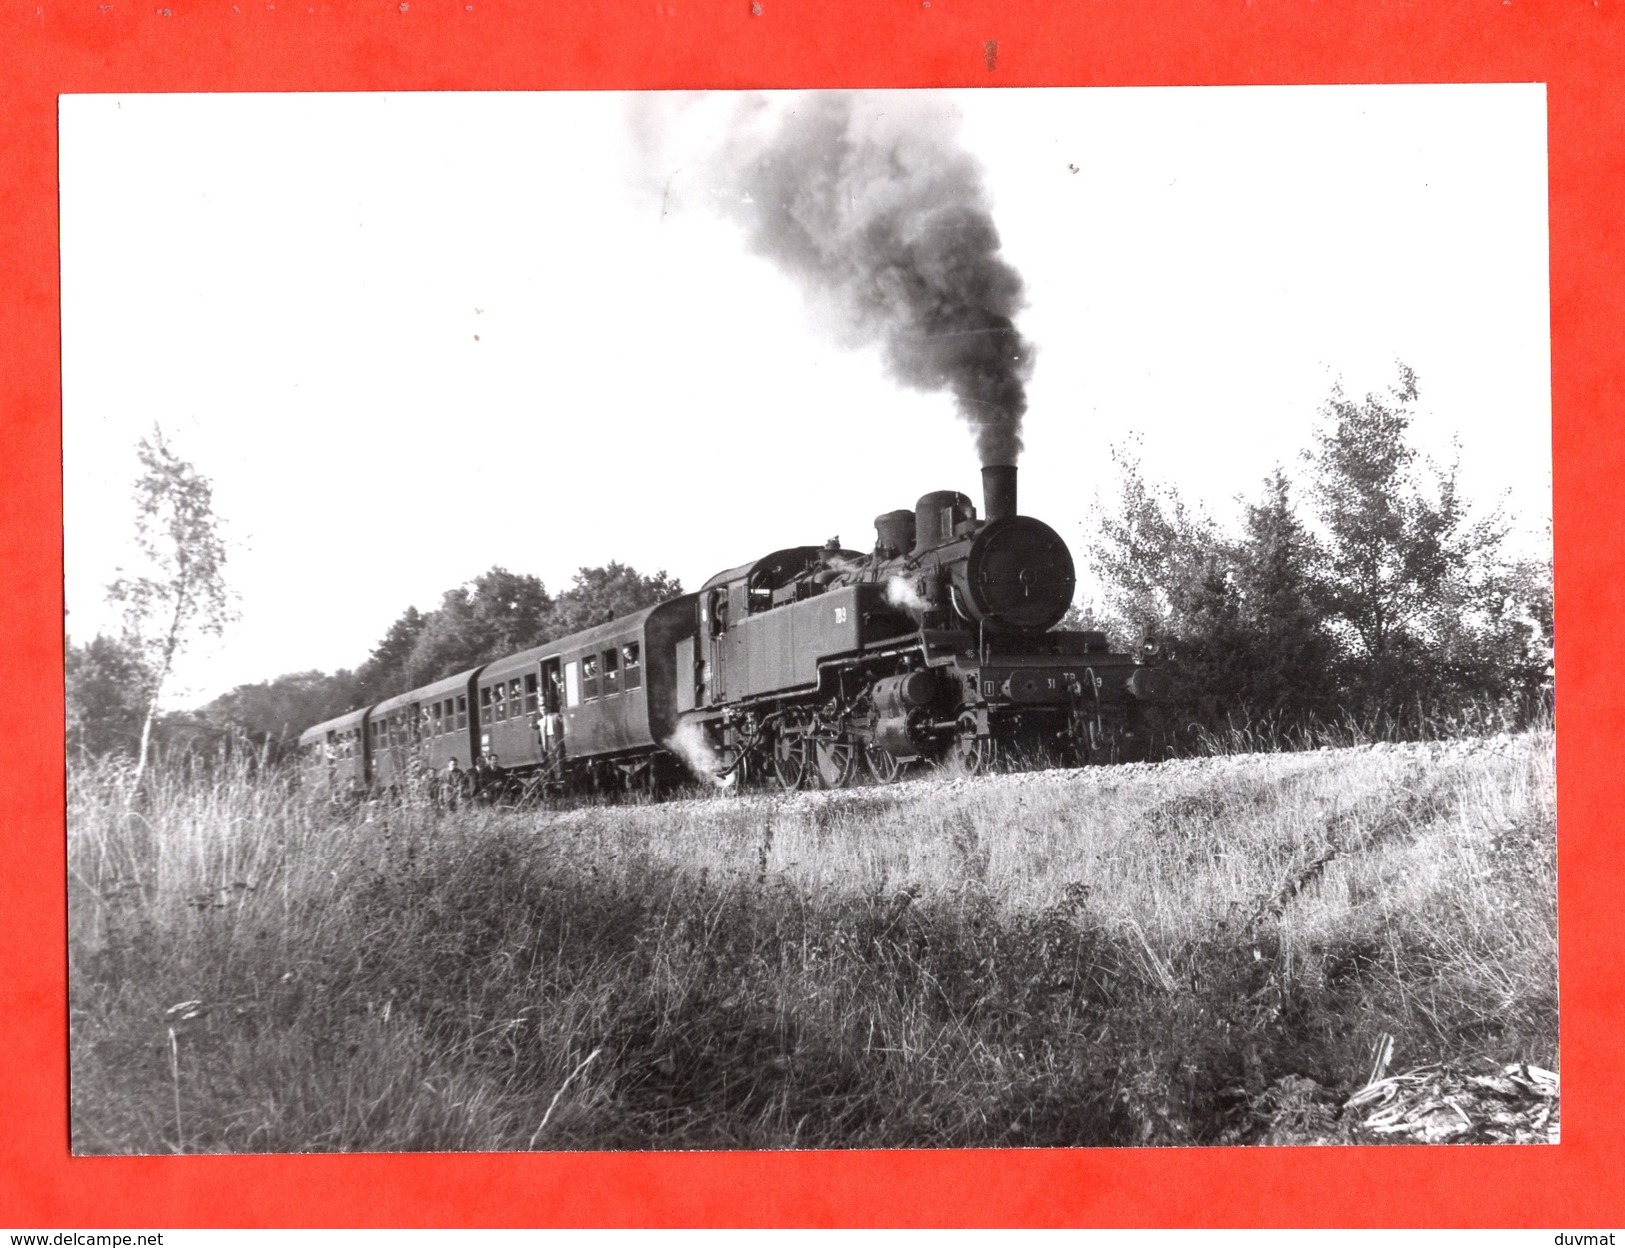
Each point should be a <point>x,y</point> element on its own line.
<point>552,707</point>
<point>716,630</point>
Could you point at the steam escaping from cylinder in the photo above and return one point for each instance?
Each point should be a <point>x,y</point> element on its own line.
<point>900,592</point>
<point>690,745</point>
<point>869,202</point>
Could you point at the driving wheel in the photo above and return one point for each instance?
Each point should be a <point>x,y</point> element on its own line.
<point>974,753</point>
<point>835,760</point>
<point>790,762</point>
<point>882,764</point>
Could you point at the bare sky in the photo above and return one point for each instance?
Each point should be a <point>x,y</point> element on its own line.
<point>413,336</point>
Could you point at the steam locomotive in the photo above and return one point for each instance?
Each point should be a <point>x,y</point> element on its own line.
<point>803,666</point>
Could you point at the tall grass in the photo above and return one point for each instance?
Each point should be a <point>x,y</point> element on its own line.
<point>1202,952</point>
<point>1269,731</point>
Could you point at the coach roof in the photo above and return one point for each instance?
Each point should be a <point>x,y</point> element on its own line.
<point>350,719</point>
<point>451,684</point>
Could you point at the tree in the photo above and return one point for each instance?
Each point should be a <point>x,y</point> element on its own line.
<point>385,671</point>
<point>106,682</point>
<point>1165,570</point>
<point>449,642</point>
<point>273,713</point>
<point>496,613</point>
<point>508,611</point>
<point>181,591</point>
<point>1401,557</point>
<point>1160,564</point>
<point>1287,655</point>
<point>601,594</point>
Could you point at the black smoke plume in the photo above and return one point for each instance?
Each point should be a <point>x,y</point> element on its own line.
<point>871,204</point>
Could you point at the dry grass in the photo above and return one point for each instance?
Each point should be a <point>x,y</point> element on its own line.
<point>1201,952</point>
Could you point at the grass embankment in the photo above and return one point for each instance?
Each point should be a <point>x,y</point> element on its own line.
<point>1202,952</point>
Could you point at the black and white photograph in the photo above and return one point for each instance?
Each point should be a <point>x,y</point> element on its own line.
<point>978,618</point>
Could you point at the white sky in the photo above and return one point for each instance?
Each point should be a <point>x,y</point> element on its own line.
<point>412,336</point>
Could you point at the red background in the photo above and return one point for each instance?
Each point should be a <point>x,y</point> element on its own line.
<point>58,46</point>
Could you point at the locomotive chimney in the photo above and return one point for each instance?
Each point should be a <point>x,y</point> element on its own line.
<point>998,491</point>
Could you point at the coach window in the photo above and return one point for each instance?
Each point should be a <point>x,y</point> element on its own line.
<point>630,664</point>
<point>499,702</point>
<point>530,693</point>
<point>589,677</point>
<point>485,705</point>
<point>572,683</point>
<point>439,718</point>
<point>515,699</point>
<point>612,671</point>
<point>462,710</point>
